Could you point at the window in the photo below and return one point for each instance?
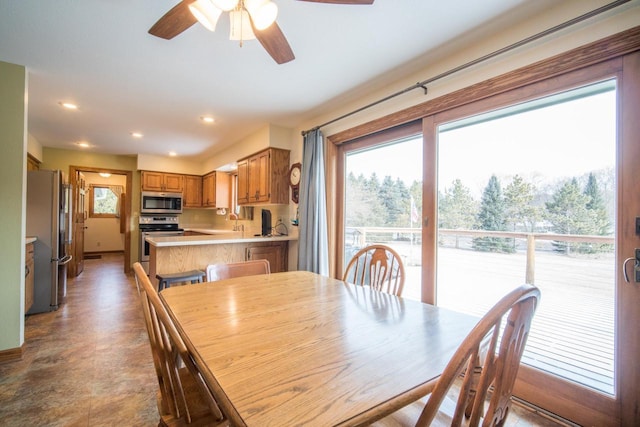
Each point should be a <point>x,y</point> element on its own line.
<point>104,201</point>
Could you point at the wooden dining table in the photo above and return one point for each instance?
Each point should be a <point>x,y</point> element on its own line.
<point>301,349</point>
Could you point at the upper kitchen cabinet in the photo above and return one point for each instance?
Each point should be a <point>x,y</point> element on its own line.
<point>215,190</point>
<point>158,181</point>
<point>192,196</point>
<point>263,178</point>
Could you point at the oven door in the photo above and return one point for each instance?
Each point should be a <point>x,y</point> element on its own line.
<point>144,245</point>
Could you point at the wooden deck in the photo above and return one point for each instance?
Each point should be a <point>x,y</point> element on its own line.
<point>573,329</point>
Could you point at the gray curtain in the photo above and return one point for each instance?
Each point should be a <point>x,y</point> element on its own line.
<point>313,244</point>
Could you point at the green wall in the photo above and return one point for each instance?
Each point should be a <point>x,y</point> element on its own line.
<point>53,158</point>
<point>13,140</point>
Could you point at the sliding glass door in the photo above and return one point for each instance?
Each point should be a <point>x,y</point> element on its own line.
<point>537,183</point>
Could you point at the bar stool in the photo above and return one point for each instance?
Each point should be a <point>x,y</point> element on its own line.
<point>166,279</point>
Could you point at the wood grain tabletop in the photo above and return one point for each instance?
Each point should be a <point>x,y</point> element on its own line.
<point>300,349</point>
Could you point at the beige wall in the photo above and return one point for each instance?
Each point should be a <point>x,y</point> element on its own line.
<point>13,140</point>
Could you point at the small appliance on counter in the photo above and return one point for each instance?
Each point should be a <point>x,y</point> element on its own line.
<point>266,222</point>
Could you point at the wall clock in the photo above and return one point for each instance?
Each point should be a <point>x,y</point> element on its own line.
<point>295,174</point>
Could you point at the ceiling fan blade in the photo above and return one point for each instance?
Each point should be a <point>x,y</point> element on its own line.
<point>174,22</point>
<point>275,43</point>
<point>341,1</point>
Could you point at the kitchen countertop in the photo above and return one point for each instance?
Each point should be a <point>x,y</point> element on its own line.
<point>215,237</point>
<point>30,239</point>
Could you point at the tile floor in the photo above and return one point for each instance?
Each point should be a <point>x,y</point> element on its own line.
<point>89,363</point>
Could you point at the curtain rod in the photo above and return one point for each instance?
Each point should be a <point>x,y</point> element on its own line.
<point>423,84</point>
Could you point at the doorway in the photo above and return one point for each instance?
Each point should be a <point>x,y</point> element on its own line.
<point>80,192</point>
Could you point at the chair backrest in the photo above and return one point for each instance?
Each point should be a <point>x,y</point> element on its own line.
<point>485,365</point>
<point>237,269</point>
<point>170,352</point>
<point>167,404</point>
<point>378,266</point>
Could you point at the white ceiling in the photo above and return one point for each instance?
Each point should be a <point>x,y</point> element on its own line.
<point>98,54</point>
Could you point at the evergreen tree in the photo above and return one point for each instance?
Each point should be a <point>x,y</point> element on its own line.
<point>520,208</point>
<point>456,208</point>
<point>393,195</point>
<point>597,206</point>
<point>491,216</point>
<point>568,213</point>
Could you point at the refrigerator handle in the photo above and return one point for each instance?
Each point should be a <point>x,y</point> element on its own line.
<point>64,260</point>
<point>69,218</point>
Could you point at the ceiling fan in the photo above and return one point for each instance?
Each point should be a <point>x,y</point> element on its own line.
<point>249,19</point>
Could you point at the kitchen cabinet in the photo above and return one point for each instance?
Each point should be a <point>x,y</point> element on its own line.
<point>158,181</point>
<point>263,178</point>
<point>274,252</point>
<point>243,182</point>
<point>215,190</point>
<point>28,277</point>
<point>192,195</point>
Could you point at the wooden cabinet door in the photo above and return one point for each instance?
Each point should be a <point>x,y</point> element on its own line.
<point>243,182</point>
<point>275,253</point>
<point>173,183</point>
<point>263,172</point>
<point>209,190</point>
<point>158,181</point>
<point>192,191</point>
<point>152,181</point>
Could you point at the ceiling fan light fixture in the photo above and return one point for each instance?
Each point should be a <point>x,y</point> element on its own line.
<point>240,28</point>
<point>263,12</point>
<point>206,13</point>
<point>225,5</point>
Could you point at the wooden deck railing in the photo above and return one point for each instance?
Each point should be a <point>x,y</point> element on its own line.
<point>360,234</point>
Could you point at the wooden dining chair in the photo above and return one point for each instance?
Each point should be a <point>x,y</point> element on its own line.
<point>378,266</point>
<point>184,398</point>
<point>488,358</point>
<point>223,271</point>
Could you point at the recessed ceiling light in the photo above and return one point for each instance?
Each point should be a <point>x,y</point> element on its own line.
<point>83,144</point>
<point>68,105</point>
<point>172,153</point>
<point>207,119</point>
<point>105,174</point>
<point>136,134</point>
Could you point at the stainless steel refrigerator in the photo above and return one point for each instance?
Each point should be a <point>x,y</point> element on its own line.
<point>48,219</point>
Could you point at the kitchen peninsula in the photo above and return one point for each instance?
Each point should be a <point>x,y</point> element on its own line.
<point>183,253</point>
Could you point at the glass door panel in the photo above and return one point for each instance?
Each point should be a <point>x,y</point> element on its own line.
<point>527,194</point>
<point>383,198</point>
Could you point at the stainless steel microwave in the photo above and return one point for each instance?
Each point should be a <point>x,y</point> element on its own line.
<point>160,203</point>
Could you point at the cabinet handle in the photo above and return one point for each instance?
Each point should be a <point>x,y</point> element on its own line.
<point>27,270</point>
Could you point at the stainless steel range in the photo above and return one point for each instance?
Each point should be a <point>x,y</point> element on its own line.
<point>156,226</point>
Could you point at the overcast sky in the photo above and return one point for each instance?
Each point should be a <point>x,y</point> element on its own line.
<point>563,140</point>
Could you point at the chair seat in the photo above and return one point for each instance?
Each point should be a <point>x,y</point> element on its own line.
<point>165,280</point>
